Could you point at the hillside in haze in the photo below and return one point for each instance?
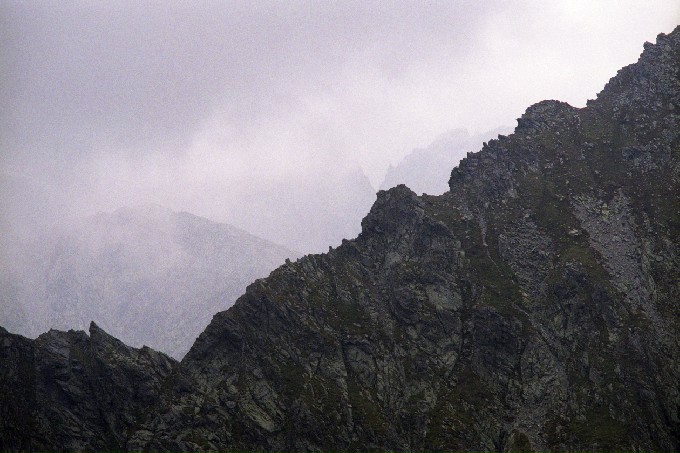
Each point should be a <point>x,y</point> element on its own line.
<point>426,170</point>
<point>531,307</point>
<point>149,275</point>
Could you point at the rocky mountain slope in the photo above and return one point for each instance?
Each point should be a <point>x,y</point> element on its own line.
<point>426,170</point>
<point>534,306</point>
<point>148,275</point>
<point>67,391</point>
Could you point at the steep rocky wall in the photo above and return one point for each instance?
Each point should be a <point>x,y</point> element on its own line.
<point>534,306</point>
<point>67,391</point>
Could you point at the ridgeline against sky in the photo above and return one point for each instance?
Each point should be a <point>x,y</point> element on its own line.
<point>532,307</point>
<point>248,114</point>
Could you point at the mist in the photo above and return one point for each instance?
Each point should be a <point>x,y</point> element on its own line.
<point>280,118</point>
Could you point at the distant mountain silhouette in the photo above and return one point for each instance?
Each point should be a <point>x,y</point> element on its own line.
<point>147,274</point>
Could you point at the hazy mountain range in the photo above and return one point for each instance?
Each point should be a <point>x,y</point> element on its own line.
<point>147,274</point>
<point>531,307</point>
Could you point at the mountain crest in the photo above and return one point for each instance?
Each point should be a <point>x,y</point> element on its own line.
<point>531,307</point>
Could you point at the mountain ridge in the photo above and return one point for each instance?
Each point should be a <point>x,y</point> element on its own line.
<point>106,386</point>
<point>493,284</point>
<point>531,307</point>
<point>425,170</point>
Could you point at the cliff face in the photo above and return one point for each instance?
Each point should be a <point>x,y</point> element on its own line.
<point>533,306</point>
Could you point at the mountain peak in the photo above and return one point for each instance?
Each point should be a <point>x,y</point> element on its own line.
<point>544,115</point>
<point>532,307</point>
<point>541,287</point>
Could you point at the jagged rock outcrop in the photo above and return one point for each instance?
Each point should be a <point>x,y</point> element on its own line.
<point>67,391</point>
<point>426,170</point>
<point>534,306</point>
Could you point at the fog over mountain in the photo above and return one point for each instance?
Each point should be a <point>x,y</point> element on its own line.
<point>266,115</point>
<point>531,307</point>
<point>153,276</point>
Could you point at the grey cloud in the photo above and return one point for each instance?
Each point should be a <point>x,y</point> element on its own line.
<point>121,73</point>
<point>194,104</point>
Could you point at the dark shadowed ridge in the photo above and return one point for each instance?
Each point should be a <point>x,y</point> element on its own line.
<point>67,391</point>
<point>531,307</point>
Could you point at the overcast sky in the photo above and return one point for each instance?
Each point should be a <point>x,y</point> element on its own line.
<point>115,103</point>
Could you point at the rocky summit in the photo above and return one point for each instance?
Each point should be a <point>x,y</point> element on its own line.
<point>534,306</point>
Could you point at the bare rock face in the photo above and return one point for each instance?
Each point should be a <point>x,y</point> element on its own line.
<point>426,170</point>
<point>69,391</point>
<point>534,306</point>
